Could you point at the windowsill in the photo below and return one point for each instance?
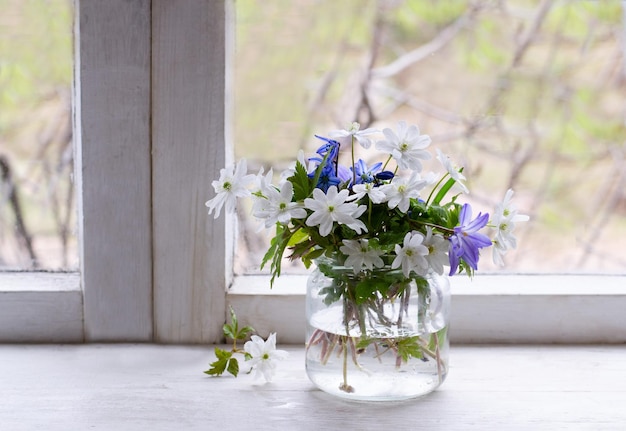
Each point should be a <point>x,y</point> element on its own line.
<point>151,387</point>
<point>541,308</point>
<point>41,307</point>
<point>48,307</point>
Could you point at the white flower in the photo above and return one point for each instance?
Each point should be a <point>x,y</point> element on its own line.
<point>262,182</point>
<point>438,247</point>
<point>407,146</point>
<point>401,190</point>
<point>454,173</point>
<point>279,207</point>
<point>374,192</point>
<point>498,251</point>
<point>504,219</point>
<point>263,354</point>
<point>411,256</point>
<point>360,135</point>
<point>361,255</point>
<point>229,187</point>
<point>332,207</point>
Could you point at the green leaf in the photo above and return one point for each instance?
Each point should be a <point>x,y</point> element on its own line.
<point>367,289</point>
<point>218,367</point>
<point>229,331</point>
<point>444,189</point>
<point>409,347</point>
<point>233,367</point>
<point>365,342</point>
<point>301,183</point>
<point>437,338</point>
<point>276,251</point>
<point>298,236</point>
<point>312,255</point>
<point>232,331</point>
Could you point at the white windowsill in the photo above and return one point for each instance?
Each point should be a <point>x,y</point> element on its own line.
<point>47,307</point>
<point>488,309</point>
<point>151,387</point>
<point>41,307</point>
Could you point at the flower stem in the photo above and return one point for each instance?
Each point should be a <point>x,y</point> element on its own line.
<point>435,188</point>
<point>345,386</point>
<point>386,163</point>
<point>353,165</point>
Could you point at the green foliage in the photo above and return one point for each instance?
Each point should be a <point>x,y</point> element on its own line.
<point>409,347</point>
<point>575,19</point>
<point>437,338</point>
<point>276,250</point>
<point>302,184</point>
<point>283,55</point>
<point>35,54</point>
<point>405,347</point>
<point>413,15</point>
<point>225,361</point>
<point>483,50</point>
<point>233,331</point>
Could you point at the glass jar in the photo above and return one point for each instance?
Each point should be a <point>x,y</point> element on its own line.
<point>376,335</point>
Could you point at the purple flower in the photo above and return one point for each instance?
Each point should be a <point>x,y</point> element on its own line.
<point>466,241</point>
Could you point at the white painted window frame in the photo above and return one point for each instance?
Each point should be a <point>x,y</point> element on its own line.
<point>152,107</point>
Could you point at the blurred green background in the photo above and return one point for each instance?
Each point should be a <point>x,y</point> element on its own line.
<point>523,94</point>
<point>37,216</point>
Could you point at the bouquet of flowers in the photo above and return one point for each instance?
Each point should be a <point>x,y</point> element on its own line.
<point>363,212</point>
<point>378,231</point>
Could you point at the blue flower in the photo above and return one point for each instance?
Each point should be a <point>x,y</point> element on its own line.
<point>332,174</point>
<point>327,178</point>
<point>384,175</point>
<point>331,147</point>
<point>466,241</point>
<point>364,174</point>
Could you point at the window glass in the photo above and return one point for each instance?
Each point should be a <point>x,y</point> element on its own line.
<point>523,94</point>
<point>37,221</point>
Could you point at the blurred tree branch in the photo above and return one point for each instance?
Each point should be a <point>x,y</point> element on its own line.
<point>22,233</point>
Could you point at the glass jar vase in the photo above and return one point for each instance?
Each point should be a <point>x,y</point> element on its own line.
<point>376,335</point>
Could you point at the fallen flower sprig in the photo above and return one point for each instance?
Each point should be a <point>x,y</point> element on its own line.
<point>262,354</point>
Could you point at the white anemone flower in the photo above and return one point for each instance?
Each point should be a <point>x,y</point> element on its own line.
<point>279,207</point>
<point>411,255</point>
<point>454,173</point>
<point>401,190</point>
<point>374,192</point>
<point>263,355</point>
<point>406,146</point>
<point>354,131</point>
<point>262,182</point>
<point>498,252</point>
<point>361,255</point>
<point>332,207</point>
<point>230,186</point>
<point>438,248</point>
<point>504,219</point>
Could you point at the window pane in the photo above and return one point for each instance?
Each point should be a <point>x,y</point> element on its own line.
<point>523,94</point>
<point>37,221</point>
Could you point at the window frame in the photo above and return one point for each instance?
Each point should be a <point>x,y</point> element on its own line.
<point>151,120</point>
